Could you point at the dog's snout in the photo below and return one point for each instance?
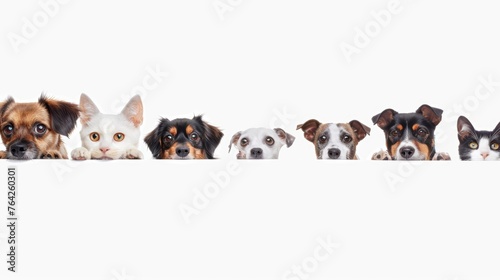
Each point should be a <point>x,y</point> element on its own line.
<point>334,153</point>
<point>19,149</point>
<point>182,151</point>
<point>407,152</point>
<point>256,153</point>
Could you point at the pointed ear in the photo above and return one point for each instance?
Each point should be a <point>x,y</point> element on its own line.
<point>63,114</point>
<point>431,114</point>
<point>385,118</point>
<point>87,109</point>
<point>360,129</point>
<point>211,138</point>
<point>5,105</point>
<point>496,131</point>
<point>133,111</point>
<point>464,127</point>
<point>288,138</point>
<point>235,139</point>
<point>153,140</point>
<point>309,127</point>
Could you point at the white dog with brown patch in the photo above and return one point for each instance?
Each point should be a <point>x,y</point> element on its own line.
<point>260,143</point>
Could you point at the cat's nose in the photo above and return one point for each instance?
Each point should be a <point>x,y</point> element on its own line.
<point>104,150</point>
<point>485,155</point>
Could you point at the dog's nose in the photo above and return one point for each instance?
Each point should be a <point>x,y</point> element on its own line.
<point>334,153</point>
<point>18,150</point>
<point>256,153</point>
<point>407,152</point>
<point>104,150</point>
<point>182,151</point>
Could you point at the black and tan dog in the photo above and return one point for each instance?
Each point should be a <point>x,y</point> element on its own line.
<point>33,130</point>
<point>184,139</point>
<point>334,140</point>
<point>410,136</point>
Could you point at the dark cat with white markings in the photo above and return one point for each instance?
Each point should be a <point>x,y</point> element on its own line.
<point>477,145</point>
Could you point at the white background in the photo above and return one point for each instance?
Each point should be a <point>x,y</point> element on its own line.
<point>239,70</point>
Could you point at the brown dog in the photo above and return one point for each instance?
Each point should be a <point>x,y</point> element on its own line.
<point>33,130</point>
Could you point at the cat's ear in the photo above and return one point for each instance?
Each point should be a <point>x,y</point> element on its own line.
<point>153,140</point>
<point>464,128</point>
<point>87,109</point>
<point>496,131</point>
<point>133,110</point>
<point>211,137</point>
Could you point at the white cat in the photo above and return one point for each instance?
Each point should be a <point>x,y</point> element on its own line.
<point>109,136</point>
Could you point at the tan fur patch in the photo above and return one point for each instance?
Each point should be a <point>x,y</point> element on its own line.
<point>399,127</point>
<point>423,149</point>
<point>173,130</point>
<point>415,127</point>
<point>394,149</point>
<point>189,129</point>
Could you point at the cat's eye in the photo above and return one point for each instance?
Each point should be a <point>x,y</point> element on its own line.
<point>8,130</point>
<point>495,146</point>
<point>473,145</point>
<point>346,139</point>
<point>40,129</point>
<point>269,141</point>
<point>94,136</point>
<point>118,137</point>
<point>194,136</point>
<point>244,142</point>
<point>322,139</point>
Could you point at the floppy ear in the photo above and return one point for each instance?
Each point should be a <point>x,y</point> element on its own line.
<point>385,118</point>
<point>360,129</point>
<point>431,114</point>
<point>309,129</point>
<point>63,114</point>
<point>87,109</point>
<point>5,105</point>
<point>464,128</point>
<point>288,138</point>
<point>211,137</point>
<point>153,140</point>
<point>133,110</point>
<point>234,139</point>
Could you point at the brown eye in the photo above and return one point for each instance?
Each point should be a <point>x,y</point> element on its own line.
<point>169,138</point>
<point>8,130</point>
<point>244,142</point>
<point>346,139</point>
<point>94,136</point>
<point>269,141</point>
<point>394,133</point>
<point>421,132</point>
<point>322,139</point>
<point>495,146</point>
<point>118,137</point>
<point>473,145</point>
<point>40,129</point>
<point>194,136</point>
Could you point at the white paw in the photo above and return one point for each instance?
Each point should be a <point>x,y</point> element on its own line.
<point>80,154</point>
<point>381,155</point>
<point>133,154</point>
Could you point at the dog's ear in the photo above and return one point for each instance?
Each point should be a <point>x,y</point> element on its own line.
<point>235,139</point>
<point>464,128</point>
<point>309,129</point>
<point>63,114</point>
<point>385,118</point>
<point>360,129</point>
<point>288,138</point>
<point>133,111</point>
<point>211,137</point>
<point>5,105</point>
<point>87,109</point>
<point>430,113</point>
<point>153,140</point>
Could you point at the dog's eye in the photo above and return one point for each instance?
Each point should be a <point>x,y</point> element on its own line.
<point>169,138</point>
<point>394,133</point>
<point>40,129</point>
<point>194,136</point>
<point>118,137</point>
<point>94,136</point>
<point>8,130</point>
<point>473,145</point>
<point>244,142</point>
<point>421,132</point>
<point>322,139</point>
<point>495,146</point>
<point>346,139</point>
<point>269,141</point>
